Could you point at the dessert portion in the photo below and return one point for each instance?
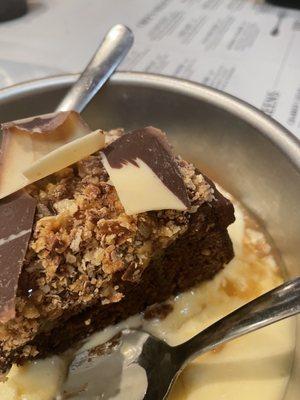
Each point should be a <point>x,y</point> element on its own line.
<point>103,238</point>
<point>226,370</point>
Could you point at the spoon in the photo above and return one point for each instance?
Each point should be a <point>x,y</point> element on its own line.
<point>161,363</point>
<point>109,55</point>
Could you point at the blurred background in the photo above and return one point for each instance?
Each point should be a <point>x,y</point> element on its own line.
<point>248,48</point>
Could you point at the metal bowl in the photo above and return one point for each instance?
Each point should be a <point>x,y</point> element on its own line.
<point>252,156</point>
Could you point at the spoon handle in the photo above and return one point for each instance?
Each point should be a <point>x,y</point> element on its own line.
<point>277,304</point>
<point>109,55</point>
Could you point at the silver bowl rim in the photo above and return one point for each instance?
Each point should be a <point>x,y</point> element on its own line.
<point>283,139</point>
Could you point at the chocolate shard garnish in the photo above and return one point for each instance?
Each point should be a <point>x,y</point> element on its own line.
<point>143,170</point>
<point>16,216</point>
<point>66,155</point>
<point>26,141</point>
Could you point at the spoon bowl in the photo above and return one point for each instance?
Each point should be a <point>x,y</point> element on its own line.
<point>163,363</point>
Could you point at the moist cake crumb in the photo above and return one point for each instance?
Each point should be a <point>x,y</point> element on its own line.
<point>158,311</point>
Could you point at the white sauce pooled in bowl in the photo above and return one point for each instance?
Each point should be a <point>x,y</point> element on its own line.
<point>254,366</point>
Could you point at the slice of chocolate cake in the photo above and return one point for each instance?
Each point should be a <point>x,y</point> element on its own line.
<point>112,234</point>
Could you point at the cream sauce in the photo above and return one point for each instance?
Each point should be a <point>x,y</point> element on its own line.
<point>254,366</point>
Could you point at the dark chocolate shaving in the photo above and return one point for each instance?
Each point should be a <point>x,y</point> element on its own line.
<point>151,146</point>
<point>16,216</point>
<point>38,123</point>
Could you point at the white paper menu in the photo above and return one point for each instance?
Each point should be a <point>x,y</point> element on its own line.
<point>244,47</point>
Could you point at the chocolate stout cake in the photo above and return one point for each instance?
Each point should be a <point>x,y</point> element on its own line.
<point>96,227</point>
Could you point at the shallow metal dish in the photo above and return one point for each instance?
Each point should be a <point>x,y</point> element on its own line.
<point>252,156</point>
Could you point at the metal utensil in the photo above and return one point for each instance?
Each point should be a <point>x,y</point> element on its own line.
<point>109,55</point>
<point>163,363</point>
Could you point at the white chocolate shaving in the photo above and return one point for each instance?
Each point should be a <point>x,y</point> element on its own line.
<point>65,155</point>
